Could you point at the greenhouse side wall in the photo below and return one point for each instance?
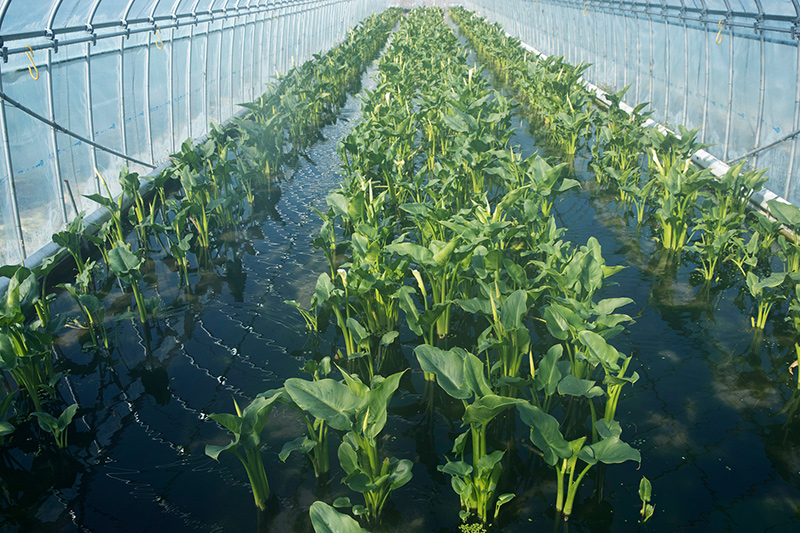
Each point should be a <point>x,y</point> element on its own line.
<point>141,93</point>
<point>733,74</point>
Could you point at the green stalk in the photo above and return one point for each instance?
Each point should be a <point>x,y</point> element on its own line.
<point>560,487</point>
<point>573,490</point>
<point>140,305</point>
<point>254,466</point>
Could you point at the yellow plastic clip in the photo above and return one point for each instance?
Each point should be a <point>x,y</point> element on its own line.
<point>586,9</point>
<point>30,57</point>
<point>159,42</point>
<point>718,40</point>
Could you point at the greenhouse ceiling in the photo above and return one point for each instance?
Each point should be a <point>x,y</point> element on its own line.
<point>70,21</point>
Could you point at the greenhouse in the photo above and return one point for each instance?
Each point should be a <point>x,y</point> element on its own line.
<point>382,266</point>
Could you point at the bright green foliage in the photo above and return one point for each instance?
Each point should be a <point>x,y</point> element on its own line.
<point>322,403</point>
<point>645,492</point>
<point>26,349</point>
<point>126,265</point>
<point>246,427</point>
<point>57,426</point>
<point>764,294</point>
<point>326,519</point>
<point>463,376</point>
<point>365,409</point>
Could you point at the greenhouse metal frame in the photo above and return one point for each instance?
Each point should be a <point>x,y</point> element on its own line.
<point>104,83</point>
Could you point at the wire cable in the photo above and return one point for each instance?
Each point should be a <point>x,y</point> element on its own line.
<point>64,130</point>
<point>762,148</point>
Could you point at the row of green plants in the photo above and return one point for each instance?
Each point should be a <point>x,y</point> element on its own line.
<point>211,189</point>
<point>650,174</point>
<point>441,231</point>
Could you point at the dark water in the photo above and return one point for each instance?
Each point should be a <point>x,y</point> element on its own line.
<point>705,413</point>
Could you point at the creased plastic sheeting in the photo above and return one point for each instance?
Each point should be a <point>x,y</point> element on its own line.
<point>687,77</point>
<point>38,192</point>
<point>75,157</point>
<point>137,143</point>
<point>130,95</point>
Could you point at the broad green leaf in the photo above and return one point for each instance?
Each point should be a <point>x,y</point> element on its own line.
<point>448,367</point>
<point>503,499</point>
<point>360,334</point>
<point>348,458</point>
<point>46,421</point>
<point>476,305</point>
<point>401,474</point>
<point>572,386</point>
<point>486,408</point>
<point>213,451</point>
<point>418,254</point>
<point>6,429</point>
<point>325,399</point>
<point>488,462</point>
<point>342,502</point>
<point>326,519</point>
<point>599,350</point>
<point>556,324</point>
<point>545,433</point>
<point>456,123</point>
<point>442,254</point>
<point>66,417</point>
<point>645,489</point>
<point>609,451</point>
<point>353,383</point>
<point>456,468</point>
<point>474,374</point>
<point>230,422</point>
<point>406,301</point>
<point>785,213</point>
<point>609,305</point>
<point>372,413</point>
<point>514,307</point>
<point>122,261</point>
<point>548,376</point>
<point>608,429</point>
<point>300,444</point>
<point>324,288</point>
<point>8,356</point>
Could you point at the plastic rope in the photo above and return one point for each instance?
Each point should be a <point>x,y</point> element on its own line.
<point>64,130</point>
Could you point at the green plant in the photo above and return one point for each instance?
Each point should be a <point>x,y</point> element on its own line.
<point>789,247</point>
<point>463,376</point>
<point>25,348</point>
<point>679,186</point>
<point>126,265</point>
<point>645,492</point>
<point>567,456</point>
<point>319,399</point>
<point>57,426</point>
<point>358,452</point>
<point>6,427</point>
<point>93,313</point>
<point>246,427</point>
<point>326,519</point>
<point>761,289</point>
<point>71,239</point>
